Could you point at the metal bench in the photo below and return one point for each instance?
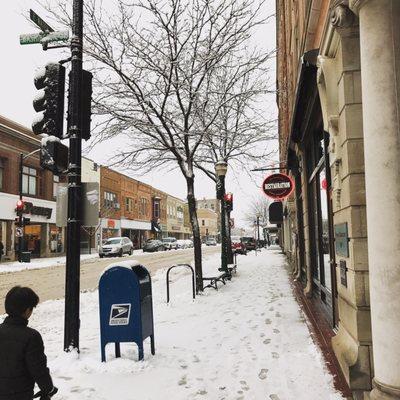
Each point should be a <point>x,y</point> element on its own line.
<point>213,280</point>
<point>232,268</point>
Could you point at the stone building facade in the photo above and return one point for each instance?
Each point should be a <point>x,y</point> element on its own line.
<point>338,99</point>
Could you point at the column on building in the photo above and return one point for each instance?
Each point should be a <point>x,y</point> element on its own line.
<point>380,73</point>
<point>339,84</point>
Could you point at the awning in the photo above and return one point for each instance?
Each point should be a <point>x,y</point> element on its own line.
<point>306,94</point>
<point>136,225</point>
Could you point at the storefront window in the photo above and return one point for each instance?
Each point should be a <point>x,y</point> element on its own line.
<point>320,217</point>
<point>29,181</point>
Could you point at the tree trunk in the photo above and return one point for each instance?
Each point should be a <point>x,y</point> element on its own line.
<point>196,234</point>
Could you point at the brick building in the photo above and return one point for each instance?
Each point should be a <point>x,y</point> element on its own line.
<point>42,237</point>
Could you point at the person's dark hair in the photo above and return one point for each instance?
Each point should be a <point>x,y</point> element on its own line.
<point>19,299</point>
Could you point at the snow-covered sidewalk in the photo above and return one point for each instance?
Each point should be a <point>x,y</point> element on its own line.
<point>248,341</point>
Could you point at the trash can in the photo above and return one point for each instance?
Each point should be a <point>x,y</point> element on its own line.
<point>126,306</point>
<point>26,256</point>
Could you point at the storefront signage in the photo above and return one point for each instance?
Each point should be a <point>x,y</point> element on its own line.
<point>29,208</point>
<point>341,240</point>
<point>278,186</point>
<point>276,212</point>
<point>111,223</point>
<point>176,228</point>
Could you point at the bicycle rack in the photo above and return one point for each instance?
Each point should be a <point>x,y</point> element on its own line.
<point>193,282</point>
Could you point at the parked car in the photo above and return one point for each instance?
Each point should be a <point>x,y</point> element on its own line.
<point>211,242</point>
<point>170,243</point>
<point>189,243</point>
<point>238,246</point>
<point>153,245</point>
<point>182,244</point>
<point>249,242</point>
<point>117,246</point>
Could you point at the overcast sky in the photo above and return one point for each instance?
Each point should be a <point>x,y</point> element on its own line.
<point>18,64</point>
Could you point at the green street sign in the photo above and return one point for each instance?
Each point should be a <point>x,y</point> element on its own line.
<point>31,38</point>
<point>39,22</point>
<point>44,38</point>
<point>57,36</point>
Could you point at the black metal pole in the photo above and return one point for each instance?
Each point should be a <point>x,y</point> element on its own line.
<point>20,213</point>
<point>224,261</point>
<point>229,239</point>
<point>72,276</point>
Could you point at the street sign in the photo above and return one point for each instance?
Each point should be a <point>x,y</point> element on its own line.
<point>43,37</point>
<point>44,26</point>
<point>31,38</point>
<point>19,232</point>
<point>90,204</point>
<point>278,186</point>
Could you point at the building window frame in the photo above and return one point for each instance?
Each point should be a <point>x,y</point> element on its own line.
<point>30,181</point>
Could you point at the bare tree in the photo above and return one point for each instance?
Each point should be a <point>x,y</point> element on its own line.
<point>242,132</point>
<point>156,65</point>
<point>258,207</point>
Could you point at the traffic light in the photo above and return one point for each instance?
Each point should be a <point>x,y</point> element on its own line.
<point>20,207</point>
<point>86,103</point>
<point>53,155</point>
<point>229,201</point>
<point>26,221</point>
<point>50,81</point>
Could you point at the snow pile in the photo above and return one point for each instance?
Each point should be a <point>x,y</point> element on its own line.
<point>246,341</point>
<point>38,263</point>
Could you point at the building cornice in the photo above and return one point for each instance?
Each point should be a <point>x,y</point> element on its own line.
<point>355,5</point>
<point>341,15</point>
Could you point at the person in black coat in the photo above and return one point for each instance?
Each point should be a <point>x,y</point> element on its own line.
<point>22,359</point>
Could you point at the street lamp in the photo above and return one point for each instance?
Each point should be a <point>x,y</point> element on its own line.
<point>221,167</point>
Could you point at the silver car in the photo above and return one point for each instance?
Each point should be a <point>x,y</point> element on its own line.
<point>170,243</point>
<point>117,246</point>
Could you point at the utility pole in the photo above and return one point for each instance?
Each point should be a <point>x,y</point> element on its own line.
<point>72,276</point>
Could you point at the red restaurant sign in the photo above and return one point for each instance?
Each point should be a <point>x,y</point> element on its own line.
<point>278,186</point>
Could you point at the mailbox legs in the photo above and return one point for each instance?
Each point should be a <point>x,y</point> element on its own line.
<point>141,354</point>
<point>117,350</point>
<point>153,347</point>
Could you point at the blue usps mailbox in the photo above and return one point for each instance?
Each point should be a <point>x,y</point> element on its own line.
<point>126,307</point>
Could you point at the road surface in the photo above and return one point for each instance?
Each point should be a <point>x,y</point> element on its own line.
<point>49,283</point>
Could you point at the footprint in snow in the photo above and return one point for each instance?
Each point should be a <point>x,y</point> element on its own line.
<point>267,341</point>
<point>274,397</point>
<point>278,314</point>
<point>245,386</point>
<point>275,354</point>
<point>182,381</point>
<point>276,331</point>
<point>268,321</point>
<point>263,373</point>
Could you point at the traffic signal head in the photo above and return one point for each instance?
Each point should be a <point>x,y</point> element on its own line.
<point>229,201</point>
<point>20,206</point>
<point>53,155</point>
<point>49,102</point>
<point>86,103</point>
